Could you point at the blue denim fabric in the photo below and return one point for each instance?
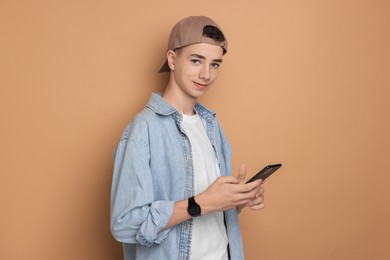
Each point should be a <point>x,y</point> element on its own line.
<point>153,169</point>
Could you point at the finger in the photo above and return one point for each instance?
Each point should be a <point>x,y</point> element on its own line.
<point>246,203</point>
<point>255,201</point>
<point>229,179</point>
<point>260,192</point>
<point>242,172</point>
<point>249,197</point>
<point>252,204</point>
<point>252,185</point>
<point>258,206</point>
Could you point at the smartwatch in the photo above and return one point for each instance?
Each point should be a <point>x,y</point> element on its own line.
<point>193,207</point>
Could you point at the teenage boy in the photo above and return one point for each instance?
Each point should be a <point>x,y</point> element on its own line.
<point>173,196</point>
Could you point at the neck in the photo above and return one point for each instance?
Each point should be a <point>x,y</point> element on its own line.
<point>179,100</point>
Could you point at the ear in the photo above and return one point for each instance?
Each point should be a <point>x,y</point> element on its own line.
<point>171,56</point>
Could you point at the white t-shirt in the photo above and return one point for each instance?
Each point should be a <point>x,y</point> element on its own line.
<point>209,239</point>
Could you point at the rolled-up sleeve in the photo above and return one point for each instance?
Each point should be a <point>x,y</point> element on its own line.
<point>158,217</point>
<point>136,217</point>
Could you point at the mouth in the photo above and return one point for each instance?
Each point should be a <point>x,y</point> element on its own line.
<point>201,85</point>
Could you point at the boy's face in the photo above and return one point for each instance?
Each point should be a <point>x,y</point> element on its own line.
<point>195,68</point>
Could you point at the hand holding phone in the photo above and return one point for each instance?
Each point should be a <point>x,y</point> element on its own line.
<point>265,172</point>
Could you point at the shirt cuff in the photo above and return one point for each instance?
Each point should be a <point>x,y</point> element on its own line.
<point>159,215</point>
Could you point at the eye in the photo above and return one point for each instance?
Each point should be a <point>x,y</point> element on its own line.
<point>215,65</point>
<point>195,61</point>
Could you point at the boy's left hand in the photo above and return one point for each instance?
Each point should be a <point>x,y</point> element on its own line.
<point>258,202</point>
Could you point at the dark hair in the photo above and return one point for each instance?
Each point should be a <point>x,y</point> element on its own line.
<point>213,33</point>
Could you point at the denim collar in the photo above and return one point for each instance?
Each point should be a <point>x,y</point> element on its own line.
<point>160,106</point>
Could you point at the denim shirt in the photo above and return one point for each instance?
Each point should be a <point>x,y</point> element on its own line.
<point>153,168</point>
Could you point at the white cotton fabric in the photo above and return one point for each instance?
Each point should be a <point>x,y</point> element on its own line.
<point>209,239</point>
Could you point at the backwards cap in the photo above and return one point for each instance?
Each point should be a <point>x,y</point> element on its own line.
<point>189,31</point>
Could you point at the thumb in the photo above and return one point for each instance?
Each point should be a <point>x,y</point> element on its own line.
<point>242,172</point>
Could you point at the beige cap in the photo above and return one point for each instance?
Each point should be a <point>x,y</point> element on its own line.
<point>189,31</point>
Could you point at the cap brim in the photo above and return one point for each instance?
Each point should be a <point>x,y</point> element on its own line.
<point>165,67</point>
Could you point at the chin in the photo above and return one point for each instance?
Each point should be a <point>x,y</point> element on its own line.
<point>199,93</point>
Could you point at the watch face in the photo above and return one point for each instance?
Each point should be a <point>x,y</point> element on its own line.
<point>194,210</point>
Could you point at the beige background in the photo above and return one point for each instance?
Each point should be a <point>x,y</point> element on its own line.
<point>305,83</point>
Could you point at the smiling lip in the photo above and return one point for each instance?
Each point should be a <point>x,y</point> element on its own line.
<point>200,85</point>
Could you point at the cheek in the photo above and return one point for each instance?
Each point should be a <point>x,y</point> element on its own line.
<point>185,70</point>
<point>214,75</point>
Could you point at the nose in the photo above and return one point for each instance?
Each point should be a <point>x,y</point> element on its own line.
<point>205,72</point>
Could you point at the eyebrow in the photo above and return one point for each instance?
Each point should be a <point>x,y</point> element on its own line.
<point>203,57</point>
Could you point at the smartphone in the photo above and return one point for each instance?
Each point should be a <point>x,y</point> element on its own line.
<point>265,172</point>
